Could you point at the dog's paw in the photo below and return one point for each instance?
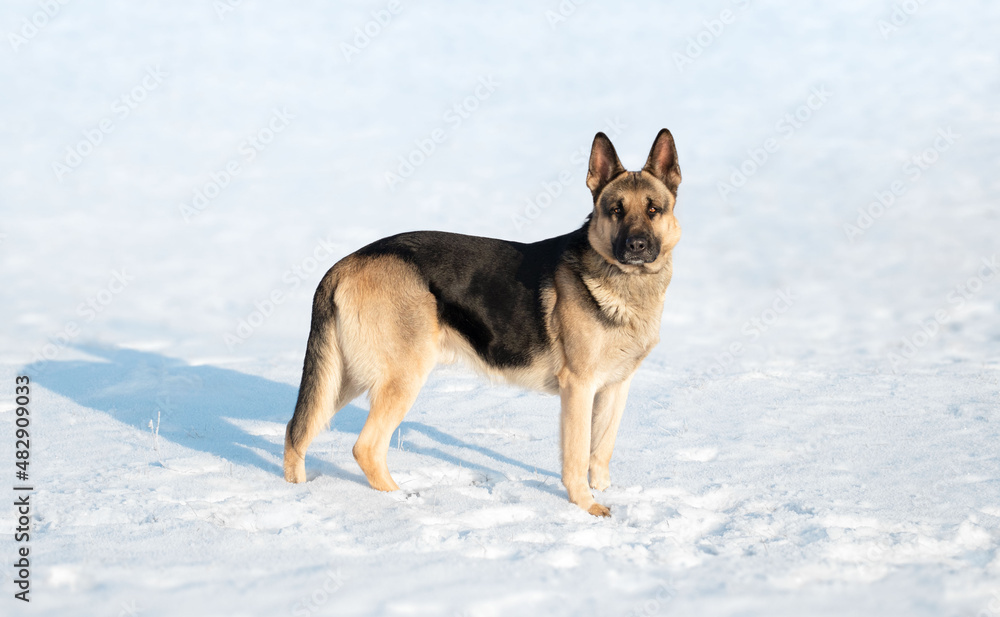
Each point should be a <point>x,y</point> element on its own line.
<point>295,473</point>
<point>599,481</point>
<point>599,510</point>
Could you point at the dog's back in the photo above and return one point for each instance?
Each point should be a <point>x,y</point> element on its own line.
<point>489,291</point>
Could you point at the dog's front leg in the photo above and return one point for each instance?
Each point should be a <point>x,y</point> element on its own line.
<point>608,407</point>
<point>577,397</point>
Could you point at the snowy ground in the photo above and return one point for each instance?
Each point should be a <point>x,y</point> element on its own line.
<point>817,434</point>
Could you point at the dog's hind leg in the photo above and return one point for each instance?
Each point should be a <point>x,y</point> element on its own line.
<point>389,333</point>
<point>324,389</point>
<point>389,403</point>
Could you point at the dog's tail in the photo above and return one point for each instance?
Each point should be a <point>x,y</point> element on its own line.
<point>322,381</point>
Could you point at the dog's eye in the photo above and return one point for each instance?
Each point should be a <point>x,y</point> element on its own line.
<point>651,208</point>
<point>618,209</point>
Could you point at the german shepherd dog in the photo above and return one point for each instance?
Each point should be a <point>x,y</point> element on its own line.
<point>573,315</point>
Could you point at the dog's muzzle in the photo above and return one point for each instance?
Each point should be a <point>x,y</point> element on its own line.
<point>636,250</point>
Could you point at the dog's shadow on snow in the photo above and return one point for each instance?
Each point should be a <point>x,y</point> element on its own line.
<point>223,412</point>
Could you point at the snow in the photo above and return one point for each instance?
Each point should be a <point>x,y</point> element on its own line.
<point>816,434</point>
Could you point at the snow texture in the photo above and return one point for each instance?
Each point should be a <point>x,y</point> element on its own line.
<point>816,434</point>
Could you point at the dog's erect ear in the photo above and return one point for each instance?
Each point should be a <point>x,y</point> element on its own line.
<point>662,161</point>
<point>604,164</point>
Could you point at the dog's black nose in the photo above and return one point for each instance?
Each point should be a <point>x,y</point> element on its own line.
<point>635,244</point>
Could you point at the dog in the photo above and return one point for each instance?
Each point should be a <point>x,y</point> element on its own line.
<point>573,315</point>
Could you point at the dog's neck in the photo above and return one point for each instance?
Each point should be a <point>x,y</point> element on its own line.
<point>625,295</point>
